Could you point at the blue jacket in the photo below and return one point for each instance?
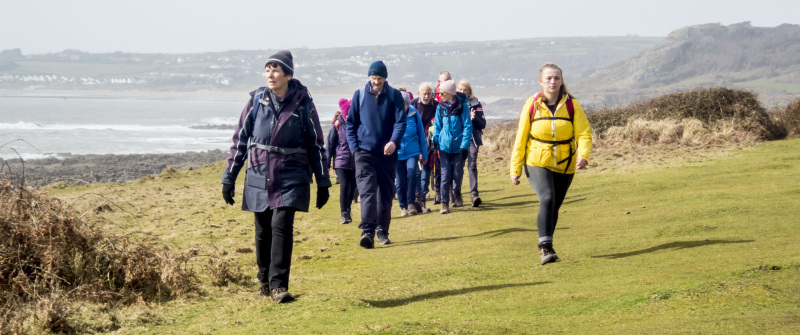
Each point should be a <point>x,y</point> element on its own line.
<point>375,119</point>
<point>414,138</point>
<point>452,125</point>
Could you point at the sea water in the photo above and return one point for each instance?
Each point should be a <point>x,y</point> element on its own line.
<point>37,124</point>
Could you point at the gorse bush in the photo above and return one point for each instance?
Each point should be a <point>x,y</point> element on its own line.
<point>711,106</point>
<point>789,117</point>
<point>48,257</point>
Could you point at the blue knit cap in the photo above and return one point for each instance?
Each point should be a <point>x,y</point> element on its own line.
<point>379,69</point>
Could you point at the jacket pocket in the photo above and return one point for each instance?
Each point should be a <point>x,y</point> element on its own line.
<point>255,179</point>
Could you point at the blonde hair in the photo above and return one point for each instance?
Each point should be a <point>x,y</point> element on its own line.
<point>563,90</point>
<point>468,86</point>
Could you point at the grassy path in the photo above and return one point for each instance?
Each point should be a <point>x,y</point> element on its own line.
<point>709,247</point>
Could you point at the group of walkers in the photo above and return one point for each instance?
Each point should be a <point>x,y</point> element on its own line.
<point>384,142</point>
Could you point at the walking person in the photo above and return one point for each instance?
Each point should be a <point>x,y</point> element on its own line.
<point>478,124</point>
<point>426,106</point>
<point>413,150</point>
<point>437,169</point>
<point>343,162</point>
<point>375,126</point>
<point>452,134</point>
<point>280,137</point>
<point>553,139</point>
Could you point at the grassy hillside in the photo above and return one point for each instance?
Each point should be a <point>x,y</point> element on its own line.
<point>703,246</point>
<point>762,59</point>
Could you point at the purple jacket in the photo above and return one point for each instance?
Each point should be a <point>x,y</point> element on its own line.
<point>283,145</point>
<point>338,148</point>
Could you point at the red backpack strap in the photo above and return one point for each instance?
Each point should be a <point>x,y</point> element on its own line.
<point>531,113</point>
<point>570,108</point>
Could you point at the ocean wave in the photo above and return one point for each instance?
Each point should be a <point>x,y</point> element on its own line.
<point>118,127</point>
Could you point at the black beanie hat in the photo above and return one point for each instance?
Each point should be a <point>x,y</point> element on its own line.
<point>284,59</point>
<point>379,69</point>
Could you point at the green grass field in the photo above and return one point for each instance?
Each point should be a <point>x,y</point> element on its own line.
<point>708,247</point>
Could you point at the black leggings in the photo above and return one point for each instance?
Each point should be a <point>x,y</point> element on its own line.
<point>347,188</point>
<point>274,238</point>
<point>551,187</point>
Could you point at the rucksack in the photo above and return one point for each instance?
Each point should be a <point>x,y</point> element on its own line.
<point>571,111</point>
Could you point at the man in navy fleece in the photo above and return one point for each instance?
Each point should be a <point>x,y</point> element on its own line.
<point>375,127</point>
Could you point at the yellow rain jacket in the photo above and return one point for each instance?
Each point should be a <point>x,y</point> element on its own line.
<point>554,157</point>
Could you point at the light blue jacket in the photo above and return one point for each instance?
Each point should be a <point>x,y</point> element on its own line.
<point>413,142</point>
<point>452,126</point>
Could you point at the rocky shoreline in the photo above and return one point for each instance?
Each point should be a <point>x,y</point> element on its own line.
<point>89,169</point>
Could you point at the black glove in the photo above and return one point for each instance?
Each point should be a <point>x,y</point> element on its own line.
<point>322,196</point>
<point>227,193</point>
<point>464,154</point>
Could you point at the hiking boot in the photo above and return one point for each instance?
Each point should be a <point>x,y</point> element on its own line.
<point>476,201</point>
<point>383,238</point>
<point>422,208</point>
<point>445,209</point>
<point>437,199</point>
<point>263,291</point>
<point>546,253</point>
<point>367,241</point>
<point>403,212</point>
<point>281,295</point>
<point>349,218</point>
<point>416,206</point>
<point>412,210</point>
<point>458,201</point>
<point>345,219</point>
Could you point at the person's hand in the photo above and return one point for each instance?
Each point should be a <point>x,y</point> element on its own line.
<point>227,193</point>
<point>582,163</point>
<point>464,154</point>
<point>515,180</point>
<point>322,196</point>
<point>423,162</point>
<point>388,149</point>
<point>472,113</point>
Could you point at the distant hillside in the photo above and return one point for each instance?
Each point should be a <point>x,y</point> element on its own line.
<point>496,68</point>
<point>766,60</point>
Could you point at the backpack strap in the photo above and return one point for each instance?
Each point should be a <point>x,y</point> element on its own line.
<point>570,110</point>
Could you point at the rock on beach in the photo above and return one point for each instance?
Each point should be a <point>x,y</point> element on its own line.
<point>90,169</point>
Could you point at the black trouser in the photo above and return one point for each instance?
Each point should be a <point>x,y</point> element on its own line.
<point>437,171</point>
<point>472,167</point>
<point>347,188</point>
<point>551,187</point>
<point>375,179</point>
<point>274,238</point>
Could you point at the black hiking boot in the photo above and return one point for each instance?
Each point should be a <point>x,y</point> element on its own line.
<point>281,295</point>
<point>345,218</point>
<point>367,240</point>
<point>476,201</point>
<point>437,199</point>
<point>546,253</point>
<point>383,238</point>
<point>263,291</point>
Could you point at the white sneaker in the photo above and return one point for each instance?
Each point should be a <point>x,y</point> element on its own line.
<point>403,212</point>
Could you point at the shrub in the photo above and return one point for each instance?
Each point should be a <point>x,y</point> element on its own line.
<point>710,106</point>
<point>49,256</point>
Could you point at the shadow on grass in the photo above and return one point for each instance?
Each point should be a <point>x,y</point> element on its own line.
<point>671,245</point>
<point>441,294</point>
<point>492,205</point>
<point>491,233</point>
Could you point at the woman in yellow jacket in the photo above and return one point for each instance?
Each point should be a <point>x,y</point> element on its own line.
<point>553,139</point>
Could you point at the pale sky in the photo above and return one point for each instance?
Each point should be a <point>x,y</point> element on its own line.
<point>176,26</point>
